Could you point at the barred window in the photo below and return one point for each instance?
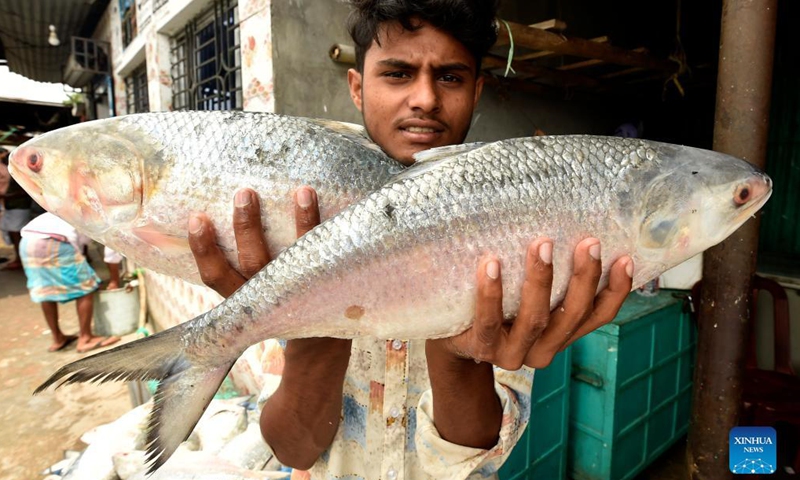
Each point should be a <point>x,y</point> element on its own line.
<point>136,91</point>
<point>129,30</point>
<point>206,61</point>
<point>158,4</point>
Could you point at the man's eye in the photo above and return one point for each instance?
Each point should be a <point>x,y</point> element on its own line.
<point>395,74</point>
<point>450,78</point>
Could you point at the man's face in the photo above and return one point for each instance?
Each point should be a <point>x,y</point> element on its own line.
<point>418,90</point>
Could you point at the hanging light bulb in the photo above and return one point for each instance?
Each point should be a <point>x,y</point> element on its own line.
<point>52,39</point>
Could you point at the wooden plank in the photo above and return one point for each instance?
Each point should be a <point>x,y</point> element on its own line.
<point>621,73</point>
<point>552,24</point>
<point>582,64</point>
<point>527,70</point>
<point>534,55</point>
<point>536,39</point>
<point>593,62</point>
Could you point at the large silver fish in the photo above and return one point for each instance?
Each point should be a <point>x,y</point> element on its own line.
<point>401,263</point>
<point>131,182</point>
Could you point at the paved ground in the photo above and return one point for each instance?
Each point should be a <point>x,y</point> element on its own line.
<point>35,431</point>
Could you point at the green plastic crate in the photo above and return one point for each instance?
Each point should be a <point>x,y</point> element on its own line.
<point>541,452</point>
<point>631,388</point>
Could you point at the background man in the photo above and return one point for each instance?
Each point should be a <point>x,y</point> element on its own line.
<point>58,272</point>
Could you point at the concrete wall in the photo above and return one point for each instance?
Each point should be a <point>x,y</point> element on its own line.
<point>507,114</point>
<point>308,83</point>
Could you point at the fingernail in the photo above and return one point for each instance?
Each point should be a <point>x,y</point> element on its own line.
<point>629,268</point>
<point>243,198</point>
<point>546,253</point>
<point>594,251</point>
<point>195,225</point>
<point>304,198</point>
<point>493,269</point>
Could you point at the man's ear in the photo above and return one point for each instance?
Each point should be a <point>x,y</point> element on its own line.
<point>355,81</point>
<point>478,89</point>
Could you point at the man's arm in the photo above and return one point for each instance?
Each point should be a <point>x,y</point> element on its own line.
<point>300,419</point>
<point>533,339</point>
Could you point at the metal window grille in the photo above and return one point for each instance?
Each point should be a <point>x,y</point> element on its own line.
<point>158,4</point>
<point>206,61</point>
<point>136,91</point>
<point>90,54</point>
<point>129,30</point>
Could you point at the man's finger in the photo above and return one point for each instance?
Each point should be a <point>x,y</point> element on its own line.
<point>488,323</point>
<point>576,307</point>
<point>251,244</point>
<point>609,301</point>
<point>534,309</point>
<point>215,271</point>
<point>306,210</point>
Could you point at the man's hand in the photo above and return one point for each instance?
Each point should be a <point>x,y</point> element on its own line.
<point>537,334</point>
<point>533,339</point>
<point>215,271</point>
<point>300,419</point>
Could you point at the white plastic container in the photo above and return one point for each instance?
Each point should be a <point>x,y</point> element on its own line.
<point>683,276</point>
<point>116,312</point>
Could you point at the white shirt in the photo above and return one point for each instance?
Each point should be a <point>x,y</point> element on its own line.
<point>48,225</point>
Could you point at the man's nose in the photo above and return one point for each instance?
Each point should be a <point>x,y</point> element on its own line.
<point>424,96</point>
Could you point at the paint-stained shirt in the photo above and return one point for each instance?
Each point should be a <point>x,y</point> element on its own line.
<point>387,429</point>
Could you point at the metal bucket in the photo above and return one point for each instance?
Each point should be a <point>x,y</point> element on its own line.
<point>116,312</point>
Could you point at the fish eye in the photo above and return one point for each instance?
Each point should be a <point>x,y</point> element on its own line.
<point>35,162</point>
<point>742,194</point>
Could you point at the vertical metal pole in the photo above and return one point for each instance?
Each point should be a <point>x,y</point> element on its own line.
<point>744,86</point>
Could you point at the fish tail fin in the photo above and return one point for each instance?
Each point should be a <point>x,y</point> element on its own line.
<point>184,391</point>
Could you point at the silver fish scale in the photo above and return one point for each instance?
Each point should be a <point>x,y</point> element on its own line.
<point>493,199</point>
<point>201,156</point>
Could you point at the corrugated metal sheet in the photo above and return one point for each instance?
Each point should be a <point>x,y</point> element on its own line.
<point>24,29</point>
<point>780,225</point>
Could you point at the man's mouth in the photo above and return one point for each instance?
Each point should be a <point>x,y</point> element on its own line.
<point>420,129</point>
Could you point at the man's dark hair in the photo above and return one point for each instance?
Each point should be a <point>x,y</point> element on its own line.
<point>471,22</point>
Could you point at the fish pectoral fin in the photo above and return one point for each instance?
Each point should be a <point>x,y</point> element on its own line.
<point>433,158</point>
<point>351,131</point>
<point>166,242</point>
<point>440,153</point>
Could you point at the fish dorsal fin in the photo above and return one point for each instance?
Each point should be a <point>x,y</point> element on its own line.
<point>428,160</point>
<point>351,131</point>
<point>440,153</point>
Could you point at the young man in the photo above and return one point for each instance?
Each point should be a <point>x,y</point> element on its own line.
<point>369,409</point>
